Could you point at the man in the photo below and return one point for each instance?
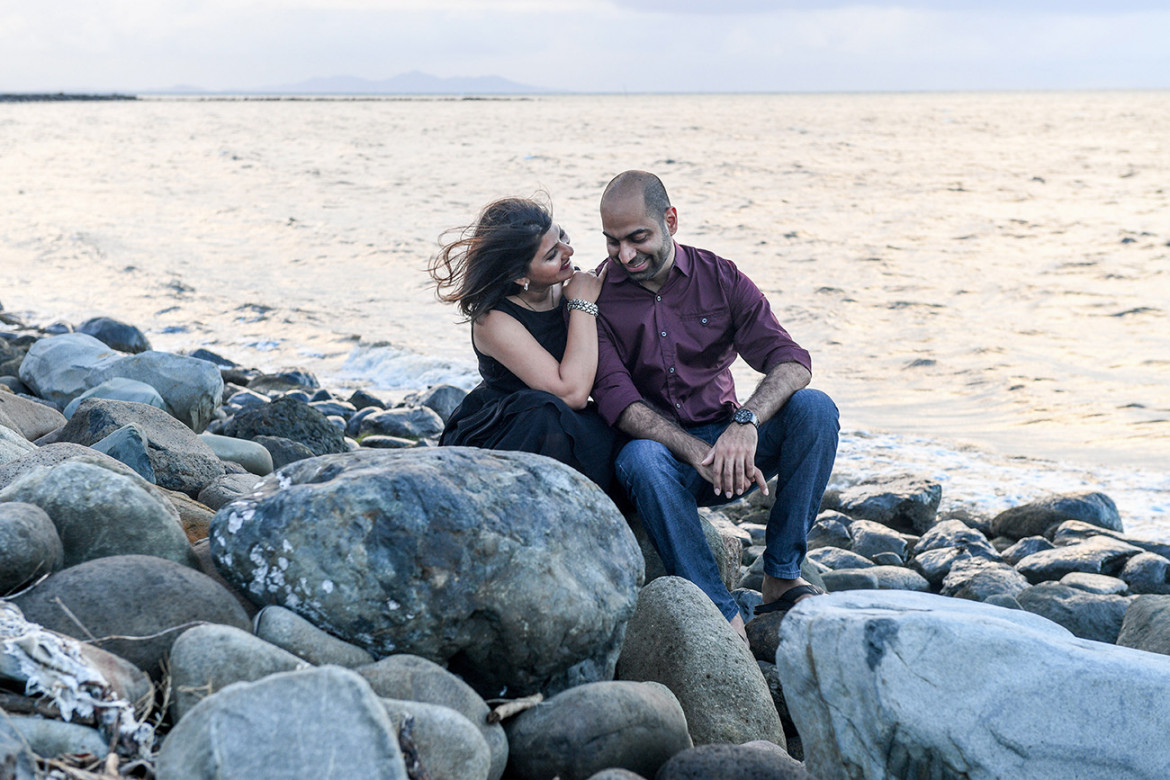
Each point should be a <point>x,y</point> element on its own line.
<point>673,318</point>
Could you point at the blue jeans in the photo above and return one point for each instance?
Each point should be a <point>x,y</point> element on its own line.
<point>797,446</point>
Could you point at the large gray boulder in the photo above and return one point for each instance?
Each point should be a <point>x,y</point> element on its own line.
<point>191,387</point>
<point>904,503</point>
<point>59,368</point>
<point>99,511</point>
<point>413,678</point>
<point>677,637</point>
<point>313,723</point>
<point>1037,517</point>
<point>29,545</point>
<point>181,460</point>
<point>893,684</point>
<point>512,568</point>
<point>627,725</point>
<point>131,605</point>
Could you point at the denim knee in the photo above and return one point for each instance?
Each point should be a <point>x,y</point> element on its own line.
<point>642,457</point>
<point>811,404</point>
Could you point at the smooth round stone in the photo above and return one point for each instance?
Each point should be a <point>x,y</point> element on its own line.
<point>751,761</point>
<point>13,445</point>
<point>290,419</point>
<point>252,456</point>
<point>120,389</point>
<point>1037,517</point>
<point>99,512</point>
<point>138,601</point>
<point>716,679</point>
<point>300,725</point>
<point>192,389</point>
<point>29,545</point>
<point>207,658</point>
<point>442,399</point>
<point>1095,583</point>
<point>413,678</point>
<point>283,451</point>
<point>52,738</point>
<point>635,726</point>
<point>288,630</point>
<point>115,334</point>
<point>448,744</point>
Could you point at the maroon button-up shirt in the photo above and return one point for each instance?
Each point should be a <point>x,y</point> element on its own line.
<point>673,349</point>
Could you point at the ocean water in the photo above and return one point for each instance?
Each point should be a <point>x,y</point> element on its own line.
<point>983,279</point>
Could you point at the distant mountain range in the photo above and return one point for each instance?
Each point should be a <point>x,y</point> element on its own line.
<point>413,83</point>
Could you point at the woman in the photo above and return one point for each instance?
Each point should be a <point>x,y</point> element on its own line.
<point>534,330</point>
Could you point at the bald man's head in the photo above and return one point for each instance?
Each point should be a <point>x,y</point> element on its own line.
<point>648,186</point>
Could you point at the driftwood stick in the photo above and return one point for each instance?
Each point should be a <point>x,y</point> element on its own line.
<point>16,704</point>
<point>506,708</point>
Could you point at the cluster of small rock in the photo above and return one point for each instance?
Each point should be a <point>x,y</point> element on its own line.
<point>260,579</point>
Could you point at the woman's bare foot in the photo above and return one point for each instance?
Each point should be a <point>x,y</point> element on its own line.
<point>737,624</point>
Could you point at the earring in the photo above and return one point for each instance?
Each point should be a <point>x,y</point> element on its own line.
<point>525,285</point>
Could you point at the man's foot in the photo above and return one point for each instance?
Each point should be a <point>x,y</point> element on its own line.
<point>774,588</point>
<point>782,595</point>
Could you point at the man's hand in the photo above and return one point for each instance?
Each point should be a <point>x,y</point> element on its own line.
<point>730,463</point>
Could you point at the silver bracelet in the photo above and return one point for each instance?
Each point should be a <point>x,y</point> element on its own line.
<point>586,306</point>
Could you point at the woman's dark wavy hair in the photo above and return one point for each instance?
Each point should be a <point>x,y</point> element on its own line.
<point>479,268</point>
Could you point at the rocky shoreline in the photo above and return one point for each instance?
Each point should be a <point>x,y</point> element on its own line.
<point>209,571</point>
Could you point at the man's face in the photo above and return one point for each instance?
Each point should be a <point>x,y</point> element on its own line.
<point>641,242</point>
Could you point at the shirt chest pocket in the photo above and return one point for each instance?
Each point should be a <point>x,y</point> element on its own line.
<point>706,334</point>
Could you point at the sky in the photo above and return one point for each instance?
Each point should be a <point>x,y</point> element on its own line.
<point>590,45</point>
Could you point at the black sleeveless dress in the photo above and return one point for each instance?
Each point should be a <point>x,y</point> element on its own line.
<point>503,413</point>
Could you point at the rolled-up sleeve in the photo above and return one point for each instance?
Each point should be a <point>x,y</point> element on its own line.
<point>759,338</point>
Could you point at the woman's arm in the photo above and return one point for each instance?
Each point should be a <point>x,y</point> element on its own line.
<point>502,337</point>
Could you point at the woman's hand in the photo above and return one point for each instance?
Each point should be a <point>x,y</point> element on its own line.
<point>585,285</point>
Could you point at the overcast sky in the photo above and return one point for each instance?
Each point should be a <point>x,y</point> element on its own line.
<point>590,45</point>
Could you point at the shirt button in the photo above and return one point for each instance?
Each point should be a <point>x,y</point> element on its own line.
<point>678,406</point>
<point>704,320</point>
<point>663,334</point>
<point>658,297</point>
<point>672,369</point>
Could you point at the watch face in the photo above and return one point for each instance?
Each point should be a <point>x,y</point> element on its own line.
<point>745,416</point>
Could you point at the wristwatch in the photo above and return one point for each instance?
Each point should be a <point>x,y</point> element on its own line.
<point>743,416</point>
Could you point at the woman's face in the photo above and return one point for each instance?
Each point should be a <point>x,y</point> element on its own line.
<point>552,262</point>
